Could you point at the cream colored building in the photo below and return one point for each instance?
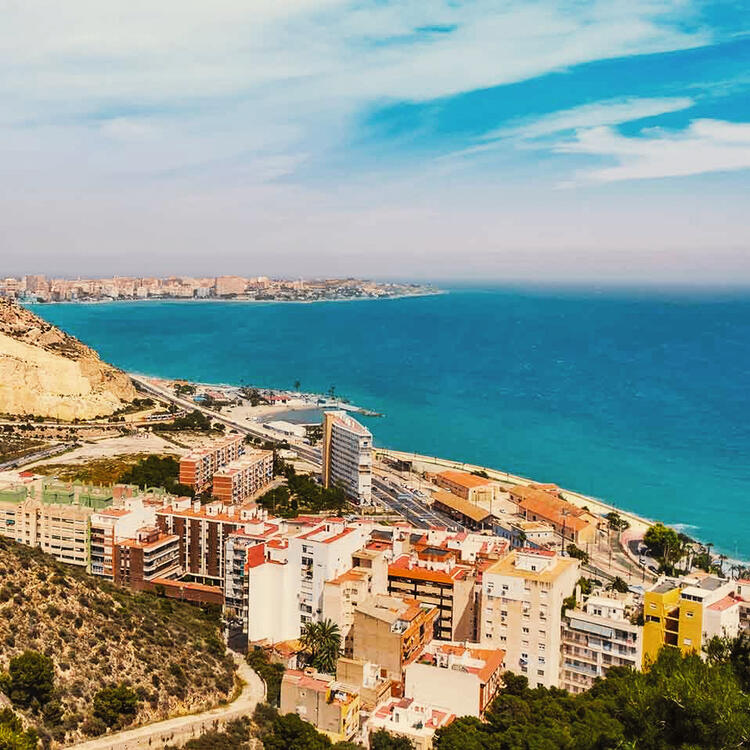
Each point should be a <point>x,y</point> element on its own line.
<point>462,677</point>
<point>596,636</point>
<point>52,516</point>
<point>342,595</point>
<point>521,601</point>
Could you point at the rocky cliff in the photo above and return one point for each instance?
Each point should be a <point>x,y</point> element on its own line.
<point>46,372</point>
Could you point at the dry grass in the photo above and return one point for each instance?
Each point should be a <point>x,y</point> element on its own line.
<point>170,653</point>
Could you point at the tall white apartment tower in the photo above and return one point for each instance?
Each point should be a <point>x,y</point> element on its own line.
<point>347,456</point>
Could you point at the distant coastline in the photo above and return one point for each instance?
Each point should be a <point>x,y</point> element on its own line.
<point>219,300</point>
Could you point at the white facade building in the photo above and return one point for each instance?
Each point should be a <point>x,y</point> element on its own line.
<point>318,555</point>
<point>347,456</point>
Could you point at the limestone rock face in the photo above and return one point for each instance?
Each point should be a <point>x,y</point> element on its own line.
<point>46,372</point>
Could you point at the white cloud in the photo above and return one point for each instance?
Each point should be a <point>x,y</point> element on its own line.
<point>704,146</point>
<point>612,112</point>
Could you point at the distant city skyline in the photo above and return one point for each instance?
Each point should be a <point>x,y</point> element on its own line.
<point>541,142</point>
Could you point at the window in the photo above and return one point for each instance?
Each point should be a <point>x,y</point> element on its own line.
<point>688,614</point>
<point>688,641</point>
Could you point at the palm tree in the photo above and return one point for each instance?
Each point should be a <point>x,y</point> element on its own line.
<point>722,560</point>
<point>297,385</point>
<point>322,642</point>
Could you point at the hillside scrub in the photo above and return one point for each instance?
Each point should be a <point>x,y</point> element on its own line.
<point>78,653</point>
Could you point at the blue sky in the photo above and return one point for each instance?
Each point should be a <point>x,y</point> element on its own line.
<point>546,141</point>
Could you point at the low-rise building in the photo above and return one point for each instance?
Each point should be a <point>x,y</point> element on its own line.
<point>466,512</point>
<point>365,678</point>
<point>463,677</point>
<point>686,613</point>
<point>596,636</point>
<point>522,597</point>
<point>330,706</point>
<point>572,524</point>
<point>404,717</point>
<point>471,487</point>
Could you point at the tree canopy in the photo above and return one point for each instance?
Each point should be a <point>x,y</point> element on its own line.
<point>30,679</point>
<point>680,702</point>
<point>116,704</point>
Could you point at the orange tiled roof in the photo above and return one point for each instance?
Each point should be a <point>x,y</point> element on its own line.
<point>464,479</point>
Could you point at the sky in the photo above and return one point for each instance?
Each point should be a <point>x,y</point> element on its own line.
<point>545,140</point>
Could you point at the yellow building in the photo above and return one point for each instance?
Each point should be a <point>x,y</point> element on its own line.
<point>687,613</point>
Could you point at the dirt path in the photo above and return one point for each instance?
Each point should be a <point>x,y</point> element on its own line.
<point>179,730</point>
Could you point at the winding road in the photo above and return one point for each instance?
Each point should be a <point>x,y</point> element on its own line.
<point>179,730</point>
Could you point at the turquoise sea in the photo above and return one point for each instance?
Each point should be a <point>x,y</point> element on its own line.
<point>637,398</point>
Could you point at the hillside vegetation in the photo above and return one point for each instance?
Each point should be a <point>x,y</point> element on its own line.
<point>78,654</point>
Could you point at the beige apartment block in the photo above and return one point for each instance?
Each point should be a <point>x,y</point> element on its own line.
<point>342,595</point>
<point>366,679</point>
<point>391,631</point>
<point>596,636</point>
<point>522,597</point>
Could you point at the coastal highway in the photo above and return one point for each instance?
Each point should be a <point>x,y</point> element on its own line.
<point>403,501</point>
<point>392,495</point>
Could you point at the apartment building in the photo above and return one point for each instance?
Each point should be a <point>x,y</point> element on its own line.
<point>319,554</point>
<point>597,635</point>
<point>149,557</point>
<point>330,706</point>
<point>404,717</point>
<point>113,525</point>
<point>59,530</point>
<point>686,613</point>
<point>470,487</point>
<point>464,676</point>
<point>198,468</point>
<point>347,456</point>
<point>521,601</point>
<point>342,595</point>
<point>272,591</point>
<point>391,631</point>
<point>432,576</point>
<point>203,531</point>
<point>242,478</point>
